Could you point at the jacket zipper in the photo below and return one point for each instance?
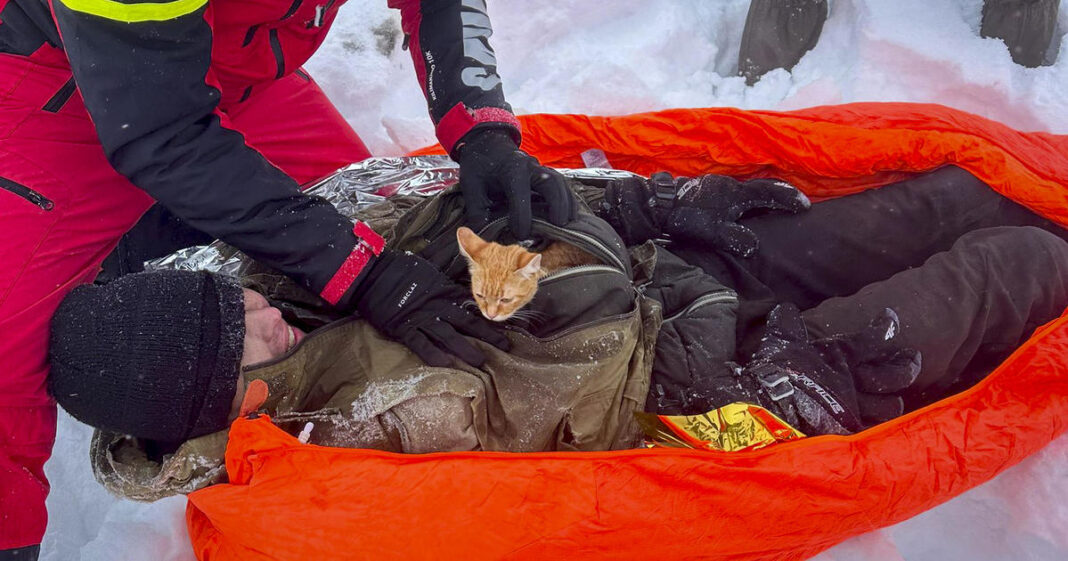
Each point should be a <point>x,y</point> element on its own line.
<point>251,33</point>
<point>292,9</point>
<point>276,48</point>
<point>594,242</point>
<point>57,101</point>
<point>718,297</point>
<point>320,14</point>
<point>578,270</point>
<point>606,253</point>
<point>574,328</point>
<point>25,192</point>
<point>253,29</point>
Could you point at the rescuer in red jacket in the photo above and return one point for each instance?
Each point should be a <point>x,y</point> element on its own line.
<point>107,106</point>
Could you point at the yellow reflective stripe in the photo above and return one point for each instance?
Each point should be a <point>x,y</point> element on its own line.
<point>134,13</point>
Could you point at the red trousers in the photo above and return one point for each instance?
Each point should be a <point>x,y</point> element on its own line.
<point>62,210</point>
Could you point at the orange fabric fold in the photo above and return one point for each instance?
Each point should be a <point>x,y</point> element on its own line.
<point>790,501</point>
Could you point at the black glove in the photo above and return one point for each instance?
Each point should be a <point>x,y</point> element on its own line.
<point>493,169</point>
<point>712,387</point>
<point>408,299</point>
<point>701,210</point>
<point>841,382</point>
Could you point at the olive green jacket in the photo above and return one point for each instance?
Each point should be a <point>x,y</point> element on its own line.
<point>571,381</point>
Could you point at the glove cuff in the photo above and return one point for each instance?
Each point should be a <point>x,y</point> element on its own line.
<point>461,121</point>
<point>338,291</point>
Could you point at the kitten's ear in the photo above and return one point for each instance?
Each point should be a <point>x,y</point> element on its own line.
<point>531,269</point>
<point>470,244</point>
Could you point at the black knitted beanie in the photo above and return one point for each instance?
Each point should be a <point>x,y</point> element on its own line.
<point>153,355</point>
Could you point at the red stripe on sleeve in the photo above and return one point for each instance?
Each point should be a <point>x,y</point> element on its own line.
<point>368,244</point>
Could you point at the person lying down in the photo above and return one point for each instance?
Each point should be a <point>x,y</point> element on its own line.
<point>829,317</point>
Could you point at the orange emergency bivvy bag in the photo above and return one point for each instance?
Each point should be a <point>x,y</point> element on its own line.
<point>289,501</point>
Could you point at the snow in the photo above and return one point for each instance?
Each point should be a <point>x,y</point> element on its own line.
<point>629,56</point>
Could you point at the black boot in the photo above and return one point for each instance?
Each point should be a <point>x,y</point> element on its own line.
<point>1026,27</point>
<point>777,34</point>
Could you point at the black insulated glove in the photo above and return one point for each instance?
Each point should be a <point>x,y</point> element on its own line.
<point>408,299</point>
<point>494,170</point>
<point>701,210</point>
<point>842,383</point>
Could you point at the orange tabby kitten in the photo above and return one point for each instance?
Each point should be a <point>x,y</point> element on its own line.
<point>504,278</point>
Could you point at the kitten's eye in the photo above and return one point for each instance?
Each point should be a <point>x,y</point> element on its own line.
<point>506,300</point>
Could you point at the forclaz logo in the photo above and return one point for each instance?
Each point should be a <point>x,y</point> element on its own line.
<point>477,32</point>
<point>831,401</point>
<point>407,295</point>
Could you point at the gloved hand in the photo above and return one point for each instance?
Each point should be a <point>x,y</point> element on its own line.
<point>493,169</point>
<point>846,381</point>
<point>702,209</point>
<point>408,299</point>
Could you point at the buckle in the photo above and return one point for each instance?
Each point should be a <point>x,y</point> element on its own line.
<point>775,382</point>
<point>662,200</point>
<point>663,187</point>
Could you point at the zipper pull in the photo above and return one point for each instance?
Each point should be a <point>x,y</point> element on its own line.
<point>320,11</point>
<point>39,200</point>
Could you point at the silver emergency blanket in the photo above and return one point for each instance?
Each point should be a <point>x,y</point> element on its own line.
<point>352,189</point>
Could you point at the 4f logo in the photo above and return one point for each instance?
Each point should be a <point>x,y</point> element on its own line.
<point>477,31</point>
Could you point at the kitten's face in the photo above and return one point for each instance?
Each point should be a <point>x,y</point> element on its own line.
<point>503,278</point>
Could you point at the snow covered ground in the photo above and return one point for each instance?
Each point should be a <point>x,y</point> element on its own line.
<point>627,56</point>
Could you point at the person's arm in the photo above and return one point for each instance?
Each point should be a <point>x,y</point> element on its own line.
<point>143,70</point>
<point>456,67</point>
<point>702,210</point>
<point>838,384</point>
<point>457,70</point>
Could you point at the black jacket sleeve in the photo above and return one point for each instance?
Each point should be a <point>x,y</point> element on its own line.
<point>456,67</point>
<point>144,72</point>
